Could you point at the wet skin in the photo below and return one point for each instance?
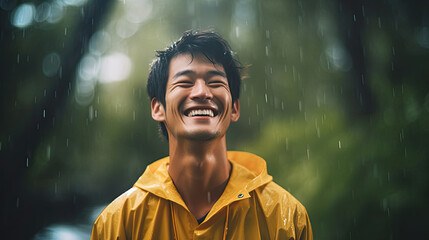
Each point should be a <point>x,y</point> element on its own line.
<point>197,113</point>
<point>196,84</point>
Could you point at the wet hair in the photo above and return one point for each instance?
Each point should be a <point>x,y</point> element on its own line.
<point>209,44</point>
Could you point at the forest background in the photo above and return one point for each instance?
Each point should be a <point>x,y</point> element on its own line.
<point>336,99</point>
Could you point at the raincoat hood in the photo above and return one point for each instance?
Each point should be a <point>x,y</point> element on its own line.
<point>249,172</point>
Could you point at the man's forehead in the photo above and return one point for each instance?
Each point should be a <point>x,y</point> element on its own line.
<point>188,61</point>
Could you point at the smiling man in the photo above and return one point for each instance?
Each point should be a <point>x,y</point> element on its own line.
<point>201,191</point>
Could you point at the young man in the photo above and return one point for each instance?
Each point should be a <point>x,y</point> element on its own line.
<point>201,191</point>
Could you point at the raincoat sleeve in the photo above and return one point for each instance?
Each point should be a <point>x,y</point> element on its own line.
<point>304,225</point>
<point>110,224</point>
<point>299,228</point>
<point>107,228</point>
<point>286,217</point>
<point>113,222</point>
<point>301,221</point>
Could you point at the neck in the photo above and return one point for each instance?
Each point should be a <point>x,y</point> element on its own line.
<point>200,171</point>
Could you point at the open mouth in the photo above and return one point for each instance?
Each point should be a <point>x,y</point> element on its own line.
<point>200,113</point>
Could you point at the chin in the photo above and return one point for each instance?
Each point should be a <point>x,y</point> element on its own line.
<point>203,136</point>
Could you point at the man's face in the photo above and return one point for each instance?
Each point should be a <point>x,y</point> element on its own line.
<point>198,102</point>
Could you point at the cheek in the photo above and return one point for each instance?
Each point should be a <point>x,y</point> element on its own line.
<point>173,100</point>
<point>226,99</point>
<point>223,93</point>
<point>176,94</point>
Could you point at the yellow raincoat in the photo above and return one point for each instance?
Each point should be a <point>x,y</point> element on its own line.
<point>251,207</point>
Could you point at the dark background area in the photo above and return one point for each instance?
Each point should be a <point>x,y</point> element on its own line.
<point>336,99</point>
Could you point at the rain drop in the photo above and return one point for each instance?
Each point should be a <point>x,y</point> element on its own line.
<point>99,42</point>
<point>75,3</point>
<point>125,29</point>
<point>308,153</point>
<point>51,63</point>
<point>88,67</point>
<point>42,12</point>
<point>56,13</point>
<point>91,113</point>
<point>114,67</point>
<point>23,15</point>
<point>48,152</point>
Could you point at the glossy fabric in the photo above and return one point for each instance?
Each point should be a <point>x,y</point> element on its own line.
<point>251,207</point>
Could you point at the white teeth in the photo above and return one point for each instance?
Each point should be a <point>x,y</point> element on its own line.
<point>201,112</point>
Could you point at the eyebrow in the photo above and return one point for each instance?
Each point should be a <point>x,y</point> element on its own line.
<point>190,72</point>
<point>217,73</point>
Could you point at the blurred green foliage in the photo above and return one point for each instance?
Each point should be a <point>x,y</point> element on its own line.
<point>340,120</point>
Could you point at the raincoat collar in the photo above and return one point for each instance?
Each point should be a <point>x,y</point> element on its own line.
<point>248,173</point>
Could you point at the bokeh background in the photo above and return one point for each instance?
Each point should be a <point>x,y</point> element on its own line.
<point>336,99</point>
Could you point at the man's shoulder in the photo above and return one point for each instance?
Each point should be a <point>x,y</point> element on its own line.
<point>279,197</point>
<point>128,201</point>
<point>115,218</point>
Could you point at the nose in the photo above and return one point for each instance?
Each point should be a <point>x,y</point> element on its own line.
<point>201,91</point>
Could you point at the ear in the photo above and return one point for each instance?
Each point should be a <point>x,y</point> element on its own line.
<point>158,111</point>
<point>235,115</point>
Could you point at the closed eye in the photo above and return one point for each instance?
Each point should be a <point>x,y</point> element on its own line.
<point>185,83</point>
<point>217,83</point>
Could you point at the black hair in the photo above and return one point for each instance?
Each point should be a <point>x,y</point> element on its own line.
<point>208,43</point>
